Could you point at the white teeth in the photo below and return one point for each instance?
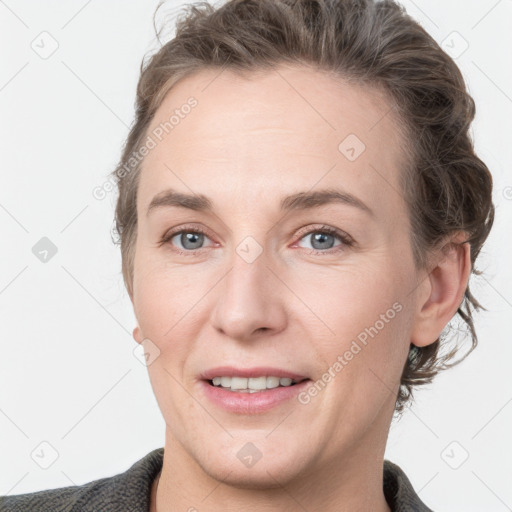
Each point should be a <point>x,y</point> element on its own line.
<point>256,383</point>
<point>239,382</point>
<point>251,384</point>
<point>272,382</point>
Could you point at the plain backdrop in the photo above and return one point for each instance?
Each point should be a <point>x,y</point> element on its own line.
<point>71,386</point>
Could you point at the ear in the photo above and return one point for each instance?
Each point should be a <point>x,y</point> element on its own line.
<point>136,331</point>
<point>137,335</point>
<point>442,291</point>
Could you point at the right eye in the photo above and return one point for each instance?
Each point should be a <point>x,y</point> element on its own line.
<point>191,240</point>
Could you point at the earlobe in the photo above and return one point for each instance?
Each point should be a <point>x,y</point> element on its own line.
<point>444,290</point>
<point>136,334</point>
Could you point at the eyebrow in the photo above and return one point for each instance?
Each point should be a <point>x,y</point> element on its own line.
<point>298,201</point>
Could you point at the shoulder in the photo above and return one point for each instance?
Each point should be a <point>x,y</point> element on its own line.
<point>125,492</point>
<point>62,499</point>
<point>399,492</point>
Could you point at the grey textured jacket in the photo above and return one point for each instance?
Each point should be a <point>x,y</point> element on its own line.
<point>130,492</point>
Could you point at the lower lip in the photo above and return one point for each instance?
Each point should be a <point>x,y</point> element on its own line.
<point>251,403</point>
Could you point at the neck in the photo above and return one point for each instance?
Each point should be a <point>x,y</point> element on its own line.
<point>154,492</point>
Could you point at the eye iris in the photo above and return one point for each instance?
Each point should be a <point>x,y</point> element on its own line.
<point>195,238</point>
<point>320,237</point>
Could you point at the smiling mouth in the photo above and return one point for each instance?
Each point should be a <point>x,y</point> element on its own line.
<point>253,384</point>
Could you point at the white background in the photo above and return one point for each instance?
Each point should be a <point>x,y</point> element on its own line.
<point>68,375</point>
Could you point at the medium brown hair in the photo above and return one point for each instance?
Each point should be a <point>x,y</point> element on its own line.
<point>447,188</point>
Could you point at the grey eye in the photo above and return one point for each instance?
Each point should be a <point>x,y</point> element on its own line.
<point>320,240</point>
<point>190,239</point>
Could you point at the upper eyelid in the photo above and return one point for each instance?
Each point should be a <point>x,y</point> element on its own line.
<point>302,231</point>
<point>186,229</point>
<point>323,228</point>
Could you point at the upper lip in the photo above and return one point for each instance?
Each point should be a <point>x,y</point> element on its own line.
<point>255,371</point>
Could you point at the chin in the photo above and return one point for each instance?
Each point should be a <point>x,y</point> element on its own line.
<point>270,468</point>
<point>256,478</point>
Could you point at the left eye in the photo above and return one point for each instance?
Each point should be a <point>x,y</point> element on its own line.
<point>322,240</point>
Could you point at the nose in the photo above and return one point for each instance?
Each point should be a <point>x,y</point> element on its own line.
<point>250,300</point>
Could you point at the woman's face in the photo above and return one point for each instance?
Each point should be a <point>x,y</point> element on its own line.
<point>265,285</point>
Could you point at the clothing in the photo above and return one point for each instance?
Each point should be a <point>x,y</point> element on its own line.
<point>131,491</point>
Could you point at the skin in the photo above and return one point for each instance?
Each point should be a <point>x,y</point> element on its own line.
<point>249,142</point>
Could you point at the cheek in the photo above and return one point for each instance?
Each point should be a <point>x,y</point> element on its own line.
<point>153,307</point>
<point>362,326</point>
<point>162,294</point>
<point>170,312</point>
<point>365,356</point>
<point>348,299</point>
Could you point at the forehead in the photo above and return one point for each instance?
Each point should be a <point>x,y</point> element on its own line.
<point>288,129</point>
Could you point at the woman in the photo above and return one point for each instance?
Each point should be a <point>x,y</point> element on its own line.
<point>300,209</point>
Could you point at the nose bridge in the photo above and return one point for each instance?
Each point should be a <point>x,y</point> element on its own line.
<point>248,275</point>
<point>250,256</point>
<point>246,300</point>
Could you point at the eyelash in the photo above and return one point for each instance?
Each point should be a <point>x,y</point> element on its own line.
<point>346,240</point>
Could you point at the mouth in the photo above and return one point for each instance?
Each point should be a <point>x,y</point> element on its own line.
<point>253,384</point>
<point>251,390</point>
<point>251,380</point>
